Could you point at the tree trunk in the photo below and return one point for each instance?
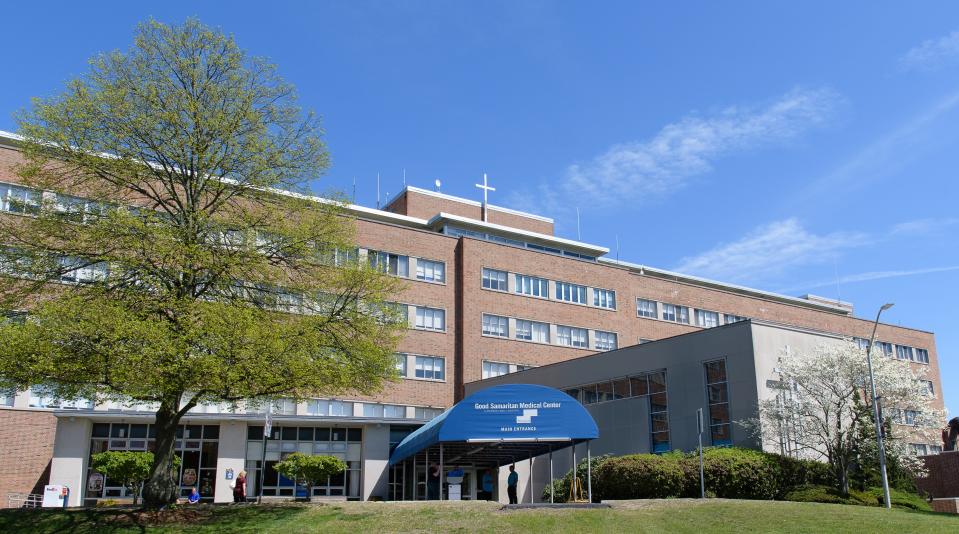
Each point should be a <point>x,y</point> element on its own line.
<point>161,489</point>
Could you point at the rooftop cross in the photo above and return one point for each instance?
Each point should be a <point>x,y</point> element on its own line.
<point>486,189</point>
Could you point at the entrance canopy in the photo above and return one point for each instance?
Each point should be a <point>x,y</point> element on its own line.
<point>503,424</point>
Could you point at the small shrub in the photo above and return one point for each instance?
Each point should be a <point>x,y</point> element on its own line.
<point>900,499</point>
<point>640,476</point>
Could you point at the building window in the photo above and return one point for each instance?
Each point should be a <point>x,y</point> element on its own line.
<point>717,396</point>
<point>862,343</point>
<point>390,263</point>
<point>17,199</point>
<point>884,348</point>
<point>76,270</point>
<point>572,337</point>
<point>729,318</point>
<point>922,355</point>
<point>928,388</point>
<point>493,279</point>
<point>394,411</point>
<point>530,285</point>
<point>646,308</point>
<point>676,314</point>
<point>571,292</point>
<point>400,364</point>
<point>604,298</point>
<point>7,396</point>
<point>426,413</point>
<point>430,368</point>
<point>919,449</point>
<point>605,340</point>
<point>644,340</point>
<point>495,325</point>
<point>532,331</point>
<point>908,417</point>
<point>41,397</point>
<point>491,369</point>
<point>430,271</point>
<point>372,410</point>
<point>707,319</point>
<point>430,318</point>
<point>935,449</point>
<point>658,412</point>
<point>903,352</point>
<point>345,256</point>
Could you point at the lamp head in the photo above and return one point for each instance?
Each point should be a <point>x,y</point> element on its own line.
<point>887,306</point>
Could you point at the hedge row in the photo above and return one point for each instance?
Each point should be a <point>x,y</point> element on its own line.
<point>729,473</point>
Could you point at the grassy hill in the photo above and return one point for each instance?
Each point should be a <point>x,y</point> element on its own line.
<point>673,515</point>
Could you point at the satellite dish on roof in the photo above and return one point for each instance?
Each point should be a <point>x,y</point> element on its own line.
<point>438,183</point>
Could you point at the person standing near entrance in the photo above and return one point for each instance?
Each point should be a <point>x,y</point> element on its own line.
<point>239,487</point>
<point>511,482</point>
<point>433,483</point>
<point>488,485</point>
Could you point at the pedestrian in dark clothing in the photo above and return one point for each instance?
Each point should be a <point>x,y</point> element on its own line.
<point>433,483</point>
<point>239,487</point>
<point>511,482</point>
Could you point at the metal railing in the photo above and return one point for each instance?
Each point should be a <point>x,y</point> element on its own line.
<point>24,500</point>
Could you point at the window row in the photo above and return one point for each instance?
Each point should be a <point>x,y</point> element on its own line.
<point>675,313</point>
<point>399,265</point>
<point>29,201</point>
<point>492,369</point>
<point>535,286</point>
<point>421,367</point>
<point>462,232</point>
<point>902,352</point>
<point>567,336</point>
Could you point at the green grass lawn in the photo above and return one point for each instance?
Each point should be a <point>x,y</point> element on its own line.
<point>675,515</point>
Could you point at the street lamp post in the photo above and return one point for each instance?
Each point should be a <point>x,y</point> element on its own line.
<point>875,407</point>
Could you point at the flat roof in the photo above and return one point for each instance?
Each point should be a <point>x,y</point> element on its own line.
<point>461,200</point>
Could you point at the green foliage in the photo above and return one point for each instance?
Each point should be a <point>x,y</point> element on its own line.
<point>129,468</point>
<point>729,472</point>
<point>870,497</point>
<point>561,486</point>
<point>311,469</point>
<point>220,284</point>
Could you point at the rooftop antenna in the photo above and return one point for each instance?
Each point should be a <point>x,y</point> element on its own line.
<point>377,190</point>
<point>835,264</point>
<point>486,189</point>
<point>579,236</point>
<point>617,247</point>
<point>437,183</point>
<point>354,189</point>
<point>404,177</point>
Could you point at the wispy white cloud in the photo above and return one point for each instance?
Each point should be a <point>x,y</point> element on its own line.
<point>932,53</point>
<point>770,250</point>
<point>924,226</point>
<point>637,171</point>
<point>869,276</point>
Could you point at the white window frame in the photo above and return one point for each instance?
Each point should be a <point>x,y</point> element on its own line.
<point>922,355</point>
<point>427,319</point>
<point>493,369</point>
<point>531,286</point>
<point>569,292</point>
<point>380,260</point>
<point>679,314</point>
<point>609,341</point>
<point>430,367</point>
<point>604,298</point>
<point>401,359</point>
<point>571,336</point>
<point>431,271</point>
<point>729,318</point>
<point>642,309</point>
<point>495,325</point>
<point>491,276</point>
<point>535,330</point>
<point>711,322</point>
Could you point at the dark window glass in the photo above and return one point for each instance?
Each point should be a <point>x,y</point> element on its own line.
<point>717,393</point>
<point>179,431</point>
<point>138,431</point>
<point>621,388</point>
<point>657,382</point>
<point>101,430</point>
<point>152,431</point>
<point>355,434</point>
<point>254,432</point>
<point>638,385</point>
<point>660,442</point>
<point>306,433</point>
<point>718,414</point>
<point>589,394</point>
<point>119,431</point>
<point>193,432</point>
<point>271,477</point>
<point>715,372</point>
<point>575,393</point>
<point>322,434</point>
<point>338,434</point>
<point>720,435</point>
<point>208,454</point>
<point>289,432</point>
<point>211,432</point>
<point>657,402</point>
<point>660,422</point>
<point>604,391</point>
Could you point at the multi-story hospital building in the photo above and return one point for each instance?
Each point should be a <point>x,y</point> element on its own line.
<point>487,294</point>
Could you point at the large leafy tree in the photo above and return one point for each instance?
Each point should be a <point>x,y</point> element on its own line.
<point>823,410</point>
<point>170,260</point>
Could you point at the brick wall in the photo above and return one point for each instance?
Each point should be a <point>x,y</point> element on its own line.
<point>942,480</point>
<point>26,447</point>
<point>424,206</point>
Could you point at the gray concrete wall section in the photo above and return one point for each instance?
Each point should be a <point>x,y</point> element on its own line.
<point>624,424</point>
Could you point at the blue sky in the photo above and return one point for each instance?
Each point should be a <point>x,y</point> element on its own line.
<point>796,148</point>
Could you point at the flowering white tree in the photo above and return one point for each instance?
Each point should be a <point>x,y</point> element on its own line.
<point>824,408</point>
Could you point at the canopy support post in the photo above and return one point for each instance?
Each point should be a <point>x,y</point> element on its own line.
<point>572,484</point>
<point>441,472</point>
<point>589,474</point>
<point>403,490</point>
<point>531,478</point>
<point>551,474</point>
<point>414,476</point>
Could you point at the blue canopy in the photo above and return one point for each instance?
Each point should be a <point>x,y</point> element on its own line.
<point>511,414</point>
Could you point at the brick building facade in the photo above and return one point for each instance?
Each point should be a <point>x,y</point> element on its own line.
<point>483,298</point>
